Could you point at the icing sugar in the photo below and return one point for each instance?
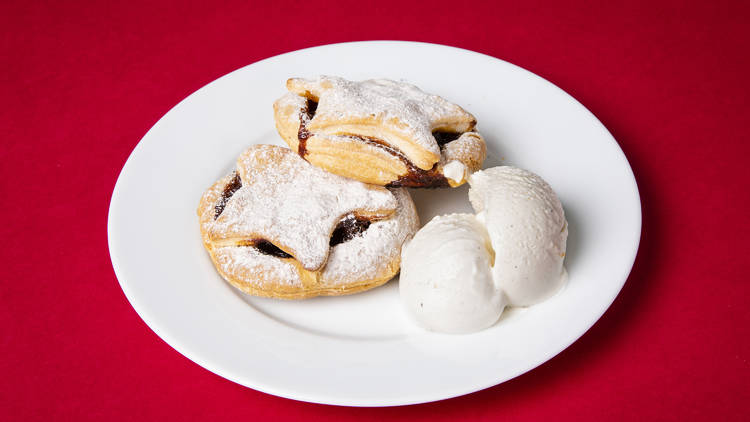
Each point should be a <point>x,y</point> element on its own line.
<point>368,254</point>
<point>294,204</point>
<point>465,149</point>
<point>407,109</point>
<point>265,270</point>
<point>291,100</point>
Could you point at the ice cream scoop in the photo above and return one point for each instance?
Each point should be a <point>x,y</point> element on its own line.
<point>446,278</point>
<point>460,271</point>
<point>528,231</point>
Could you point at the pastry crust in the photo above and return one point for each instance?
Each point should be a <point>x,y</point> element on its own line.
<point>275,259</point>
<point>379,131</point>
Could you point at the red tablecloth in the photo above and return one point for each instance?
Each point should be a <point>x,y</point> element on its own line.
<point>82,83</point>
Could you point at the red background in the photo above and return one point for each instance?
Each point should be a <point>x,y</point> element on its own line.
<point>83,82</point>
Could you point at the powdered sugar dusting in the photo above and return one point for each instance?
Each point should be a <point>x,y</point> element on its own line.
<point>294,204</point>
<point>291,100</point>
<point>368,255</point>
<point>407,109</point>
<point>469,149</point>
<point>252,266</point>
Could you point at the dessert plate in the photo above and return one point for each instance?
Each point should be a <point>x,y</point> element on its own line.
<point>362,350</point>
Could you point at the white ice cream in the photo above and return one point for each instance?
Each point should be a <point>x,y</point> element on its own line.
<point>446,278</point>
<point>527,227</point>
<point>452,281</point>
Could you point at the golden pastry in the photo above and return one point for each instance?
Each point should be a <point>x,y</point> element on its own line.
<point>379,131</point>
<point>280,227</point>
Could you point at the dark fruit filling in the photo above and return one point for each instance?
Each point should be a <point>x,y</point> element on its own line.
<point>443,138</point>
<point>347,228</point>
<point>302,134</point>
<point>269,248</point>
<point>233,186</point>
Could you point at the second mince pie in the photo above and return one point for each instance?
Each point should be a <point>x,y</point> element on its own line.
<point>380,132</point>
<point>280,227</point>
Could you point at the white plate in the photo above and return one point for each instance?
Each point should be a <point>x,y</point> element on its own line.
<point>362,350</point>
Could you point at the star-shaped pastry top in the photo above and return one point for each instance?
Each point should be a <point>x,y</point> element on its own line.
<point>293,204</point>
<point>397,113</point>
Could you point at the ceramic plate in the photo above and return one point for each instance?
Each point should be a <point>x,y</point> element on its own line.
<point>363,350</point>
